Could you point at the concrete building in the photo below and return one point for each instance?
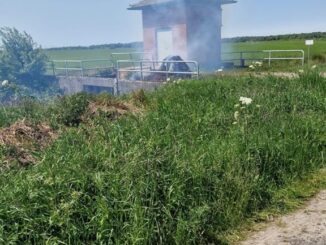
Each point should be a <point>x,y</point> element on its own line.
<point>189,28</point>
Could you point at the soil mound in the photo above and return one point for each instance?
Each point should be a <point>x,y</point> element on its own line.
<point>21,139</point>
<point>112,110</point>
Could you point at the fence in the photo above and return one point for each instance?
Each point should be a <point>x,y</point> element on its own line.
<point>94,68</point>
<point>155,70</point>
<point>270,57</point>
<point>83,68</point>
<point>166,68</point>
<point>242,58</point>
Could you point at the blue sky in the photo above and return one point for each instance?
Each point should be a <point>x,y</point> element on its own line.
<point>55,23</point>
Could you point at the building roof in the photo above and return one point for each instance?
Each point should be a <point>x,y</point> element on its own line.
<point>146,3</point>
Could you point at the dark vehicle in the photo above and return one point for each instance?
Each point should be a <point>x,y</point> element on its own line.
<point>171,64</point>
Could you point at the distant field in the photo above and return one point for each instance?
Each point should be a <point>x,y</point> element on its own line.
<point>318,48</point>
<point>318,53</point>
<point>84,54</point>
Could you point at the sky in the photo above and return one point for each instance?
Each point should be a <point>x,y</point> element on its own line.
<point>56,23</point>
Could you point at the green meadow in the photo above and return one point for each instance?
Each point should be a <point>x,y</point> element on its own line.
<point>317,54</point>
<point>84,54</point>
<point>318,49</point>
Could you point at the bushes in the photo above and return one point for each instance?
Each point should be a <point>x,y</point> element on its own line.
<point>70,109</point>
<point>21,61</point>
<point>23,64</point>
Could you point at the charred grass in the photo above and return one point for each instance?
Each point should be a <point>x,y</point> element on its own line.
<point>183,170</point>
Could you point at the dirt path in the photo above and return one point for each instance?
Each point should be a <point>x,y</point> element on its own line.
<point>305,227</point>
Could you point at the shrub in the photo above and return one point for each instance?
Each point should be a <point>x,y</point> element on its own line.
<point>319,58</point>
<point>71,108</point>
<point>21,60</point>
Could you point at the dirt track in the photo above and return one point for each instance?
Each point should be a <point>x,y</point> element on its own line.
<point>305,227</point>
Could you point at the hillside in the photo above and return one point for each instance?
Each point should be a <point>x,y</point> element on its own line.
<point>185,164</point>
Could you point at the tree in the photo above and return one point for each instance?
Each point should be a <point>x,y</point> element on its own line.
<point>21,59</point>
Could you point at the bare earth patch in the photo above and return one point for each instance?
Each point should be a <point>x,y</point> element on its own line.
<point>305,227</point>
<point>23,138</point>
<point>112,110</point>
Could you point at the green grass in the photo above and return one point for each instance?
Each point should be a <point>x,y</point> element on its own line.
<point>318,48</point>
<point>87,54</point>
<point>318,53</point>
<point>181,173</point>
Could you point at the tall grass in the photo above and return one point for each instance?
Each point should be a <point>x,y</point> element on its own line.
<point>183,173</point>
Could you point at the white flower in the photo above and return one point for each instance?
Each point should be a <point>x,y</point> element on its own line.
<point>245,100</point>
<point>236,105</point>
<point>301,71</point>
<point>252,67</point>
<point>168,79</point>
<point>258,106</point>
<point>258,63</point>
<point>5,83</point>
<point>236,115</point>
<point>314,67</point>
<point>235,123</point>
<point>220,70</point>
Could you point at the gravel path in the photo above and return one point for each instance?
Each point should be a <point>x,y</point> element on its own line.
<point>305,227</point>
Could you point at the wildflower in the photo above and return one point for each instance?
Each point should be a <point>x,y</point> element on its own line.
<point>314,67</point>
<point>236,115</point>
<point>258,106</point>
<point>301,71</point>
<point>258,63</point>
<point>245,100</point>
<point>236,105</point>
<point>235,123</point>
<point>168,79</point>
<point>252,67</point>
<point>220,70</point>
<point>5,83</point>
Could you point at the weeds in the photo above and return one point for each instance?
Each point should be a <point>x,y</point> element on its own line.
<point>183,173</point>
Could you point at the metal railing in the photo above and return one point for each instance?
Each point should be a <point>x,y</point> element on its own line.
<point>264,55</point>
<point>152,70</point>
<point>270,57</point>
<point>152,67</point>
<point>83,68</point>
<point>242,57</point>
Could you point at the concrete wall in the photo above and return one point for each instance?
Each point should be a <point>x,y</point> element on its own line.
<point>71,85</point>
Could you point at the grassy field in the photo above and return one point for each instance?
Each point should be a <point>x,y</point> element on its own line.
<point>87,54</point>
<point>183,165</point>
<point>318,54</point>
<point>318,48</point>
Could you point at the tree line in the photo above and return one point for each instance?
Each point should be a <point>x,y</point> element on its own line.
<point>312,35</point>
<point>133,45</point>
